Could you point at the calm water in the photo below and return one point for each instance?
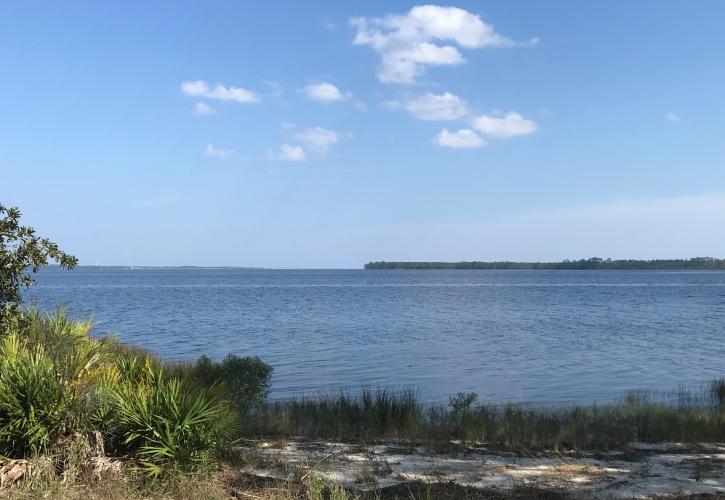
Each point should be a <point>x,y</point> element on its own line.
<point>534,336</point>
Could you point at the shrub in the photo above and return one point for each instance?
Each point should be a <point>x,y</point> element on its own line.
<point>168,423</point>
<point>32,405</point>
<point>57,381</point>
<point>48,372</point>
<point>245,380</point>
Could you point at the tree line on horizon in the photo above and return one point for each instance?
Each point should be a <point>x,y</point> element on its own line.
<point>593,263</point>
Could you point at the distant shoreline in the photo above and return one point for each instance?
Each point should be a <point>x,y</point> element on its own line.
<point>594,263</point>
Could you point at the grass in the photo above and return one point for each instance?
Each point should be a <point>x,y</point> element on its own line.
<point>372,415</point>
<point>695,415</point>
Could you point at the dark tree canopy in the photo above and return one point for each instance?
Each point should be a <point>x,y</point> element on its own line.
<point>707,263</point>
<point>22,253</point>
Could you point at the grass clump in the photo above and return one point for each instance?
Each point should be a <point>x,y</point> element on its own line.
<point>369,416</point>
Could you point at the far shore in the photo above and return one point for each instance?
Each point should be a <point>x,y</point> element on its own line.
<point>591,264</point>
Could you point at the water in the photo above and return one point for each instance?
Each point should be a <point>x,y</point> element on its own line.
<point>525,336</point>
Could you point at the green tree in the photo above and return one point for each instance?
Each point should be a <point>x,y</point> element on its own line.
<point>22,253</point>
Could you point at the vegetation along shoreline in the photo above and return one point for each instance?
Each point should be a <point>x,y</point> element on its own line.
<point>594,263</point>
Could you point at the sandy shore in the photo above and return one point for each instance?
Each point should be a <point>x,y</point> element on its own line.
<point>640,471</point>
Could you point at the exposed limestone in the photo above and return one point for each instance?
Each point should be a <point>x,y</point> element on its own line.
<point>640,471</point>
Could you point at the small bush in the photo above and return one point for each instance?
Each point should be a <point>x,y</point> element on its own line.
<point>32,405</point>
<point>49,365</point>
<point>246,380</point>
<point>169,424</point>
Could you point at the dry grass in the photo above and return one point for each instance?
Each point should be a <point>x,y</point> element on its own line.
<point>231,482</point>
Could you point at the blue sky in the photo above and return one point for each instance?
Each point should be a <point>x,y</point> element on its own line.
<point>327,134</point>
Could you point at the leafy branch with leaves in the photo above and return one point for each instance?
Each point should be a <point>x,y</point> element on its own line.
<point>22,254</point>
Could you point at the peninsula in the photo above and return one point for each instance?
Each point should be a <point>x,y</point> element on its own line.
<point>695,263</point>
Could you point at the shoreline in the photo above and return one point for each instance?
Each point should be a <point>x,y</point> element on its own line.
<point>591,264</point>
<point>658,469</point>
<point>113,420</point>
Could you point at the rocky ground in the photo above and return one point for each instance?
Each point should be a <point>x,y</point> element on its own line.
<point>640,471</point>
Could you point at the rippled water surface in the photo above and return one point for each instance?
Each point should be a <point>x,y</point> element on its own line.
<point>535,336</point>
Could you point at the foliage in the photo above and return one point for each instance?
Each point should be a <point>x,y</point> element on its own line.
<point>169,424</point>
<point>56,381</point>
<point>245,380</point>
<point>709,263</point>
<point>22,252</point>
<point>31,400</point>
<point>47,371</point>
<point>461,403</point>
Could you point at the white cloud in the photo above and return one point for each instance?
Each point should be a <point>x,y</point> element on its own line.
<point>317,139</point>
<point>203,109</point>
<point>510,125</point>
<point>432,107</point>
<point>213,152</point>
<point>408,43</point>
<point>672,117</point>
<point>461,139</point>
<point>324,92</point>
<point>200,88</point>
<point>288,152</point>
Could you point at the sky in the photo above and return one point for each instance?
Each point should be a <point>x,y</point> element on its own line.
<point>329,134</point>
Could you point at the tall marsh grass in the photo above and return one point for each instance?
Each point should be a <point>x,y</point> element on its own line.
<point>695,415</point>
<point>368,416</point>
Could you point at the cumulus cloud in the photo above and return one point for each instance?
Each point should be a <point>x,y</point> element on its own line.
<point>510,125</point>
<point>432,107</point>
<point>288,152</point>
<point>428,35</point>
<point>672,117</point>
<point>203,109</point>
<point>318,140</point>
<point>324,92</point>
<point>213,152</point>
<point>464,138</point>
<point>200,88</point>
